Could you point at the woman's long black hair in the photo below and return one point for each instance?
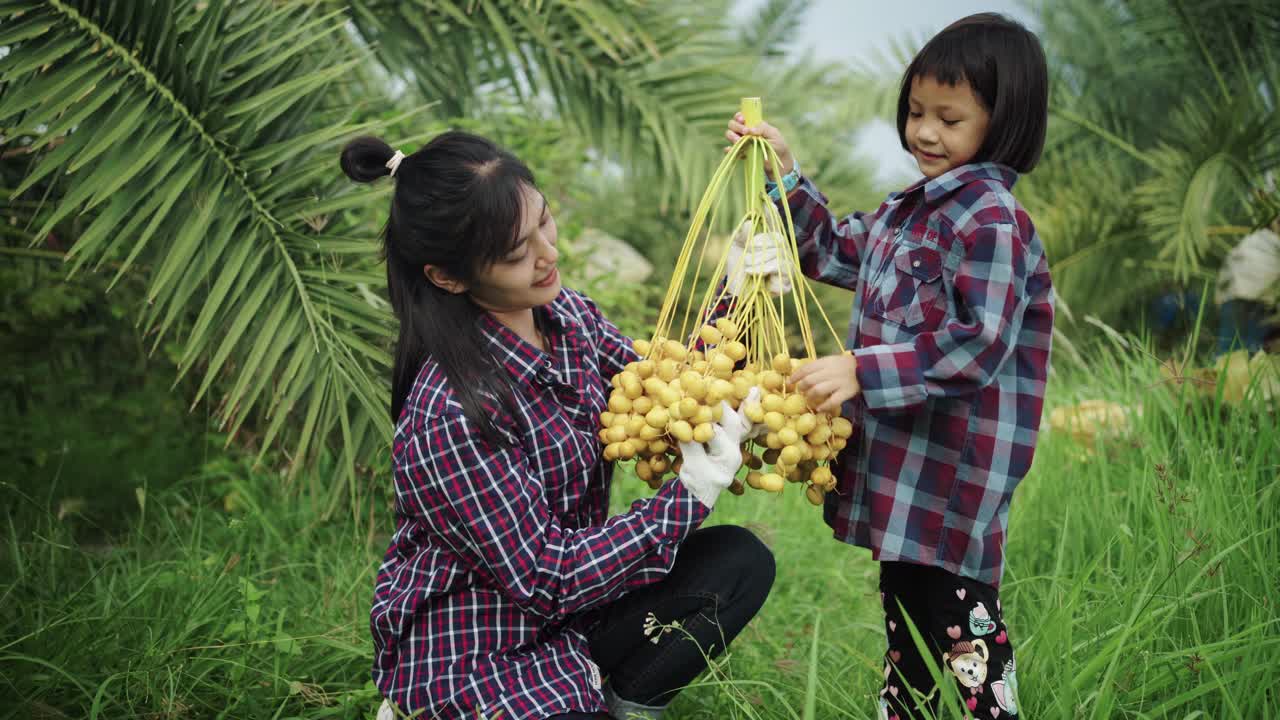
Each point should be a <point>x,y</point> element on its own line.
<point>456,206</point>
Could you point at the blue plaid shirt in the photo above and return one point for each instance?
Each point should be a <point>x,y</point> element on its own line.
<point>951,329</point>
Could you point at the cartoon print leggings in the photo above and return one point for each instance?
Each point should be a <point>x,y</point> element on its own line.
<point>960,620</point>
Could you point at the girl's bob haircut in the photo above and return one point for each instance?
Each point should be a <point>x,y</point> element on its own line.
<point>1004,65</point>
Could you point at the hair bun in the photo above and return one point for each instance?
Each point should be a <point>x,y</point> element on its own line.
<point>364,159</point>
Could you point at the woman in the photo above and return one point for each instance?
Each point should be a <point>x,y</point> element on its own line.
<point>507,591</point>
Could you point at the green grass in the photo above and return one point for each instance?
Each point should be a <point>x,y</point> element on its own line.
<point>1142,582</point>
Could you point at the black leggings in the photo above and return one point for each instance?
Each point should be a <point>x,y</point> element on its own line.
<point>721,577</point>
<point>961,622</point>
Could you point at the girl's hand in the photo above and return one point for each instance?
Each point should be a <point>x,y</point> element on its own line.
<point>828,381</point>
<point>770,133</point>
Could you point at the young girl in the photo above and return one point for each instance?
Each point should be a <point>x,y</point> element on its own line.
<point>952,318</point>
<point>507,590</point>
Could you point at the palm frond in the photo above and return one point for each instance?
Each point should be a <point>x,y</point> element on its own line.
<point>773,27</point>
<point>1202,179</point>
<point>645,82</point>
<point>171,140</point>
<point>1163,126</point>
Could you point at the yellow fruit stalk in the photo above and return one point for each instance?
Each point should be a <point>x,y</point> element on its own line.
<point>673,393</point>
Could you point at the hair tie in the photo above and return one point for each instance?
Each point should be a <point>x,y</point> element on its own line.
<point>394,162</point>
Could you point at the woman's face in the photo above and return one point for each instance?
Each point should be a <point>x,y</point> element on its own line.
<point>525,277</point>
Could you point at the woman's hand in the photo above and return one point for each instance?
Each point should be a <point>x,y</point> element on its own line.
<point>770,133</point>
<point>828,381</point>
<point>707,472</point>
<point>737,426</point>
<point>762,254</point>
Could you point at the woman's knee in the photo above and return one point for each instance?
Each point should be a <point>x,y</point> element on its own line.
<point>762,561</point>
<point>746,556</point>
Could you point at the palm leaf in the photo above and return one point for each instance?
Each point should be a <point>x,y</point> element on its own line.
<point>1163,127</point>
<point>646,82</point>
<point>170,161</point>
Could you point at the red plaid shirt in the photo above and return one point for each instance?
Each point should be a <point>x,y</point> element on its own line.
<point>952,322</point>
<point>500,553</point>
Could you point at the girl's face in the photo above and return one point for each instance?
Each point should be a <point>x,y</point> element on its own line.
<point>946,125</point>
<point>525,277</point>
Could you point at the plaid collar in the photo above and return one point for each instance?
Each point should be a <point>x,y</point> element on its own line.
<point>936,189</point>
<point>525,361</point>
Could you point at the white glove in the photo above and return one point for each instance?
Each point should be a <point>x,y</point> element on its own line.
<point>763,254</point>
<point>707,472</point>
<point>736,422</point>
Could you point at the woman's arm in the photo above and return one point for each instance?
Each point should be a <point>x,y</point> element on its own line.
<point>487,506</point>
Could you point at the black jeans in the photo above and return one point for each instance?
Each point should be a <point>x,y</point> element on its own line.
<point>720,579</point>
<point>962,625</point>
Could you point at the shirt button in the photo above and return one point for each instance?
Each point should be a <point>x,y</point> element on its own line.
<point>915,263</point>
<point>547,364</point>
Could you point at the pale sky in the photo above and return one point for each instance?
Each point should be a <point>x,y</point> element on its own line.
<point>862,32</point>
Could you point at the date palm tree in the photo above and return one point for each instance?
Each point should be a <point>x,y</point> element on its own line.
<point>1165,130</point>
<point>194,142</point>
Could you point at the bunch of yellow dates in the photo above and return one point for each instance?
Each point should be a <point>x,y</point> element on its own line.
<point>673,394</point>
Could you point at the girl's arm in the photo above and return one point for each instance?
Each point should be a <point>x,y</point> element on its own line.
<point>966,353</point>
<point>485,504</point>
<point>831,248</point>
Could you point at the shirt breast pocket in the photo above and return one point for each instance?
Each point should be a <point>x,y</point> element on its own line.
<point>913,294</point>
